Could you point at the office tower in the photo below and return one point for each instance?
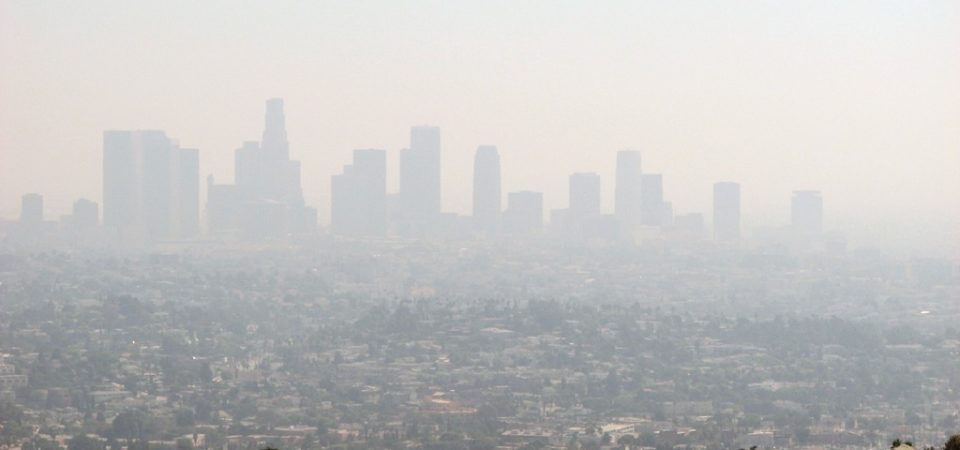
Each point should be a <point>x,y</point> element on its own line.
<point>652,207</point>
<point>246,167</point>
<point>584,196</point>
<point>224,207</point>
<point>149,186</point>
<point>420,192</point>
<point>86,214</point>
<point>666,213</point>
<point>267,198</point>
<point>31,209</point>
<point>726,211</point>
<point>275,145</point>
<point>486,189</point>
<point>627,199</point>
<point>186,189</point>
<point>136,185</point>
<point>806,212</point>
<point>359,195</point>
<point>277,177</point>
<point>524,214</point>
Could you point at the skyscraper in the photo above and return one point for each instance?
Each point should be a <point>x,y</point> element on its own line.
<point>275,145</point>
<point>186,187</point>
<point>486,189</point>
<point>806,212</point>
<point>359,195</point>
<point>224,208</point>
<point>627,200</point>
<point>149,185</point>
<point>524,214</point>
<point>420,191</point>
<point>726,211</point>
<point>652,208</point>
<point>267,198</point>
<point>31,209</point>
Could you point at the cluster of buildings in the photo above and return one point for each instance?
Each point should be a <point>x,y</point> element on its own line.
<point>475,347</point>
<point>361,205</point>
<point>151,193</point>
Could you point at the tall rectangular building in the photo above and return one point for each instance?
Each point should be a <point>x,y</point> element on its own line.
<point>359,195</point>
<point>266,182</point>
<point>806,212</point>
<point>420,177</point>
<point>627,200</point>
<point>150,187</point>
<point>726,211</point>
<point>487,197</point>
<point>186,213</point>
<point>31,209</point>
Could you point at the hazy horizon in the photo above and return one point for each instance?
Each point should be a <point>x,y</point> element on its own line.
<point>860,101</point>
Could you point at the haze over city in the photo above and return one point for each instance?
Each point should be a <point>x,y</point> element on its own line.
<point>479,225</point>
<point>859,101</point>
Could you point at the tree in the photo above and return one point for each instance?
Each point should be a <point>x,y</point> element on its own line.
<point>82,442</point>
<point>131,425</point>
<point>953,443</point>
<point>184,444</point>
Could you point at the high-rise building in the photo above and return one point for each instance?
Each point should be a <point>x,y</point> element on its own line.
<point>149,186</point>
<point>224,208</point>
<point>359,195</point>
<point>652,207</point>
<point>246,168</point>
<point>186,187</point>
<point>581,218</point>
<point>274,142</point>
<point>627,199</point>
<point>420,174</point>
<point>267,198</point>
<point>726,211</point>
<point>524,214</point>
<point>487,197</point>
<point>806,212</point>
<point>31,209</point>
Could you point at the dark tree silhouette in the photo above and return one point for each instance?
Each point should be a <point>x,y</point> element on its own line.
<point>953,443</point>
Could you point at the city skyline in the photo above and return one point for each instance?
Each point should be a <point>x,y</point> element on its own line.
<point>480,225</point>
<point>151,194</point>
<point>863,107</point>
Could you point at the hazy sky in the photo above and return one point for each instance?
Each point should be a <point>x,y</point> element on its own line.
<point>860,99</point>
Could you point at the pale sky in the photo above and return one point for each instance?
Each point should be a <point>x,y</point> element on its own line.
<point>859,99</point>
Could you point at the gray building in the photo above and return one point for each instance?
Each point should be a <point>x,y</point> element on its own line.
<point>487,197</point>
<point>627,196</point>
<point>420,175</point>
<point>150,187</point>
<point>266,199</point>
<point>31,209</point>
<point>359,195</point>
